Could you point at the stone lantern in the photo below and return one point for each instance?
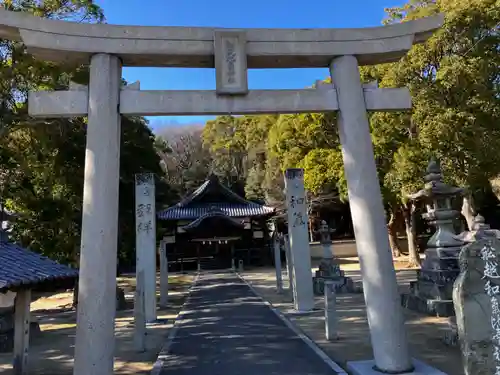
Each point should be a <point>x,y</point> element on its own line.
<point>432,292</point>
<point>325,231</point>
<point>329,269</point>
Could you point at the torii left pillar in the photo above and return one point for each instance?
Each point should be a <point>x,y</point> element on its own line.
<point>95,341</point>
<point>95,333</point>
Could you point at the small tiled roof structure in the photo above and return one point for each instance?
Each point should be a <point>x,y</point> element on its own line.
<point>23,269</point>
<point>195,206</point>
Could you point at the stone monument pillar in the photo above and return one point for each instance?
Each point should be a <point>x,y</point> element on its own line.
<point>329,269</point>
<point>140,329</point>
<point>163,273</point>
<point>432,292</point>
<point>277,263</point>
<point>95,331</point>
<point>299,239</point>
<point>233,259</point>
<point>330,311</point>
<point>145,224</point>
<point>289,267</point>
<point>476,297</point>
<point>385,316</point>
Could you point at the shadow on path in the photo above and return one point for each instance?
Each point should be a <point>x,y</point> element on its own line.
<point>226,329</point>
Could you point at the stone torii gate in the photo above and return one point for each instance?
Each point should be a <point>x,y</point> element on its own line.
<point>109,47</point>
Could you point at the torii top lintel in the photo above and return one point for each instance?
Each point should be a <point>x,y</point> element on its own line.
<point>158,46</point>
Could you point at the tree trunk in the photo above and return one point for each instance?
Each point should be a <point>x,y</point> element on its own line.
<point>76,259</point>
<point>311,238</point>
<point>411,234</point>
<point>468,210</point>
<point>393,236</point>
<point>75,295</point>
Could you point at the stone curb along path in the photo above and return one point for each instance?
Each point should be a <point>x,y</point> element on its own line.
<point>165,350</point>
<point>311,344</point>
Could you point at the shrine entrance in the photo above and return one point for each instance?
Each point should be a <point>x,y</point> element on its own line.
<point>106,48</point>
<point>214,227</point>
<point>215,253</point>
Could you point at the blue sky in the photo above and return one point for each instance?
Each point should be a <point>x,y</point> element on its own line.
<point>236,14</point>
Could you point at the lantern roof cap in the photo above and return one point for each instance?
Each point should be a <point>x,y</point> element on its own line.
<point>434,185</point>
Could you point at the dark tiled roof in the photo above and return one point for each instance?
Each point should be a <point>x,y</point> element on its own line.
<point>21,267</point>
<point>214,212</point>
<point>193,207</point>
<point>212,183</point>
<point>229,209</point>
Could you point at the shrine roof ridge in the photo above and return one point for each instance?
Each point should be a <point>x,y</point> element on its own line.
<point>231,210</point>
<point>212,213</point>
<point>190,206</point>
<point>176,46</point>
<point>213,182</point>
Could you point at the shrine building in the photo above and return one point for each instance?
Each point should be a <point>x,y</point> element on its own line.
<point>216,228</point>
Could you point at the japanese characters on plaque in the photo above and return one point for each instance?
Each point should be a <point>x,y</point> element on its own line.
<point>230,62</point>
<point>492,289</point>
<point>144,203</point>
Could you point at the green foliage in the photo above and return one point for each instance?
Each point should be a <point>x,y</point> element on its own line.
<point>225,139</point>
<point>254,188</point>
<point>273,184</point>
<point>309,141</point>
<point>42,161</point>
<point>454,81</point>
<point>324,171</point>
<point>46,187</point>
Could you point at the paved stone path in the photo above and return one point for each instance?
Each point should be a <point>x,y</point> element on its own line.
<point>227,330</point>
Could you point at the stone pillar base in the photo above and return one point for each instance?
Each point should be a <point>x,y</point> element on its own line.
<point>434,307</point>
<point>341,284</point>
<point>431,293</point>
<point>367,368</point>
<point>329,270</point>
<point>450,335</point>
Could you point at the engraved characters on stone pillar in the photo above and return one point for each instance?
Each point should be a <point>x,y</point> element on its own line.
<point>146,238</point>
<point>476,298</point>
<point>144,211</point>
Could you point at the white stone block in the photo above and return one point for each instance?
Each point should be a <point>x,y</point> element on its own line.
<point>75,43</point>
<point>367,368</point>
<point>207,102</point>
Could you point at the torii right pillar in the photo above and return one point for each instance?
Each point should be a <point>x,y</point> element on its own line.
<point>383,307</point>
